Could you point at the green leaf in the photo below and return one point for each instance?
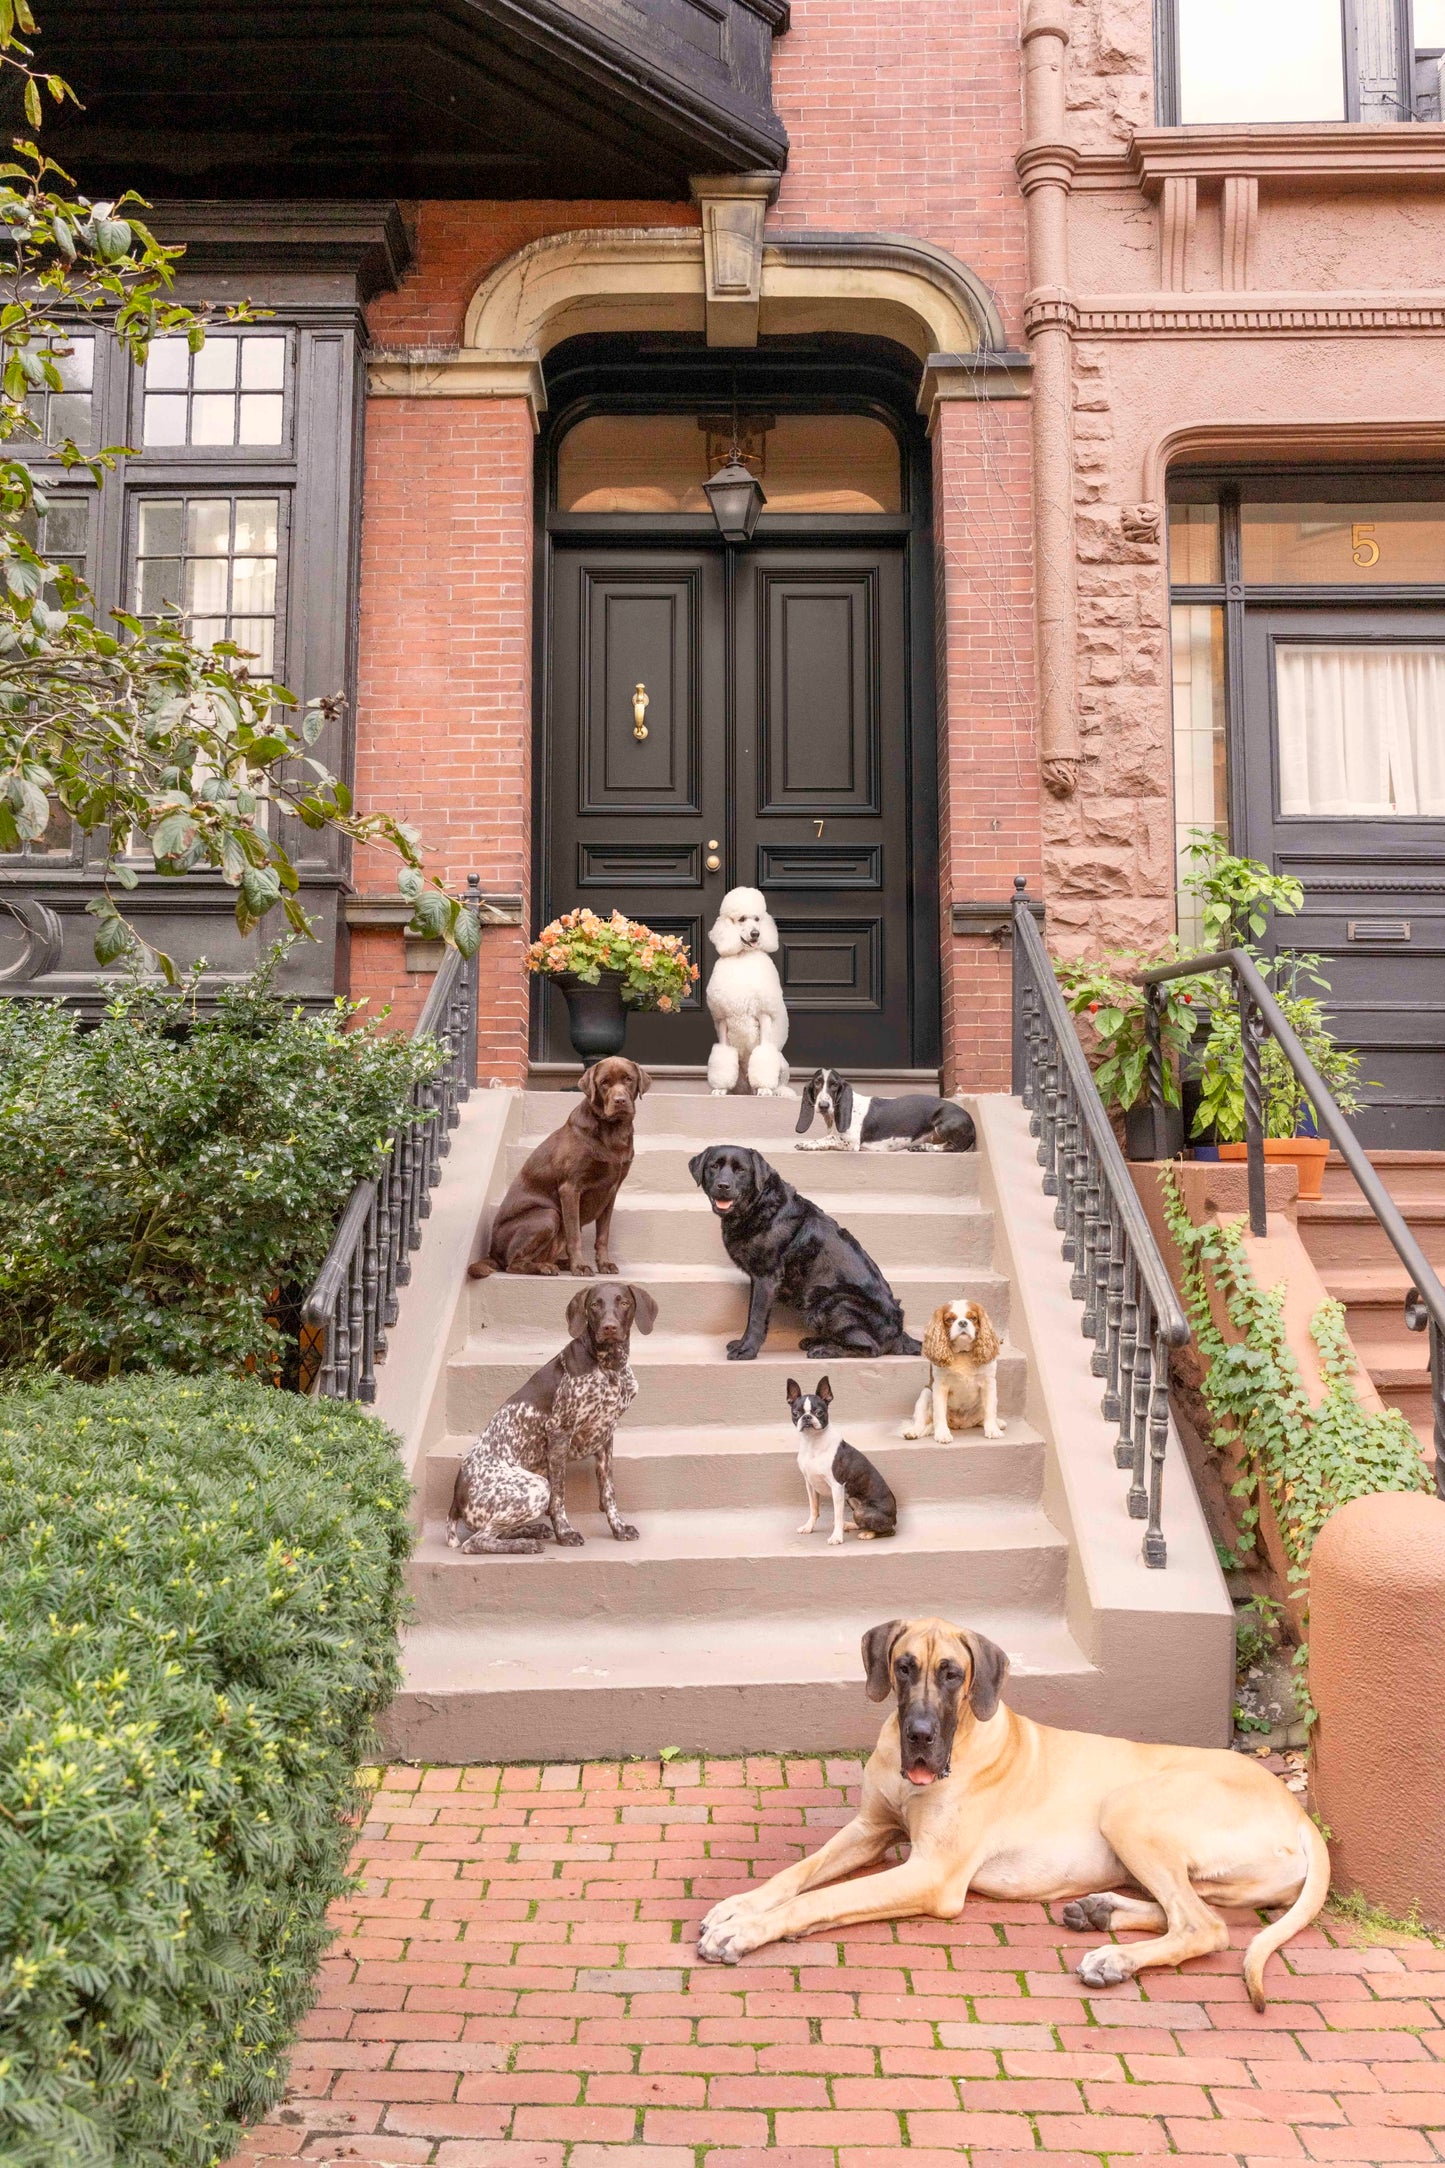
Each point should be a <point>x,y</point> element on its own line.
<point>432,915</point>
<point>113,940</point>
<point>32,102</point>
<point>410,883</point>
<point>260,888</point>
<point>467,932</point>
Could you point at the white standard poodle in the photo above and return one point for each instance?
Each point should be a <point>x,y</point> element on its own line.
<point>745,996</point>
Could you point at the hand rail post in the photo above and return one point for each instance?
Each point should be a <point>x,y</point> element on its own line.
<point>1154,1040</point>
<point>1251,1032</point>
<point>1020,1082</point>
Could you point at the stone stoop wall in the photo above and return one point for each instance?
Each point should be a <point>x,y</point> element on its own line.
<point>901,122</point>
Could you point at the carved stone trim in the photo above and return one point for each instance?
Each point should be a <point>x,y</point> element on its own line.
<point>456,373</point>
<point>44,940</point>
<point>1178,213</point>
<point>733,207</point>
<point>983,375</point>
<point>990,921</point>
<point>1374,884</point>
<point>1327,441</point>
<point>1238,225</point>
<point>1276,315</point>
<point>1343,150</point>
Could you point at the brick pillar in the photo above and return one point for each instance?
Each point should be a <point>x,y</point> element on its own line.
<point>444,714</point>
<point>988,752</point>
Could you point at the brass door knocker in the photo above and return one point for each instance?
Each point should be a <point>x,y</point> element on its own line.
<point>639,710</point>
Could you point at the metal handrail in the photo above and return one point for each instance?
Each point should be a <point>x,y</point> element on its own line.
<point>352,1301</point>
<point>1259,1012</point>
<point>1131,1310</point>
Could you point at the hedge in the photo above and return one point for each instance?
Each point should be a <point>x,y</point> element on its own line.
<point>200,1586</point>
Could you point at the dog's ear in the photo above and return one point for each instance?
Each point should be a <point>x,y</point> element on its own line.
<point>843,1112</point>
<point>763,1172</point>
<point>723,933</point>
<point>645,1306</point>
<point>990,1669</point>
<point>577,1312</point>
<point>823,1390</point>
<point>985,1346</point>
<point>878,1645</point>
<point>793,1389</point>
<point>769,942</point>
<point>590,1086</point>
<point>644,1081</point>
<point>697,1167</point>
<point>810,1102</point>
<point>937,1347</point>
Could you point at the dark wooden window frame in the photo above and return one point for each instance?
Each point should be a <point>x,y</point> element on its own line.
<point>1398,15</point>
<point>654,374</point>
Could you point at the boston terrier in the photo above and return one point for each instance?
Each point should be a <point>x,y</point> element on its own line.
<point>841,1472</point>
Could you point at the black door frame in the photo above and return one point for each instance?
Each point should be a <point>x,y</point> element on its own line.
<point>657,373</point>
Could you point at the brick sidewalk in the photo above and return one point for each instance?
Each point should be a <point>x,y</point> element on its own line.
<point>517,1988</point>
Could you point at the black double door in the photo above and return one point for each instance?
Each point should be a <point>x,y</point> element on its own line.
<point>775,757</point>
<point>1343,770</point>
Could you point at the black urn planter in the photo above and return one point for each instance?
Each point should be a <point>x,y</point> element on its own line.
<point>1154,1132</point>
<point>596,1018</point>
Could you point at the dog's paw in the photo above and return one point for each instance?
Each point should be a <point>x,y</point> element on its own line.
<point>908,1431</point>
<point>1106,1967</point>
<point>943,1437</point>
<point>1086,1912</point>
<point>720,1091</point>
<point>727,1934</point>
<point>569,1539</point>
<point>738,1351</point>
<point>805,1528</point>
<point>607,1264</point>
<point>993,1430</point>
<point>625,1532</point>
<point>581,1270</point>
<point>836,1537</point>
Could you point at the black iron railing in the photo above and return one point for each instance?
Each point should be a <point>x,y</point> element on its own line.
<point>352,1302</point>
<point>1131,1312</point>
<point>1260,1013</point>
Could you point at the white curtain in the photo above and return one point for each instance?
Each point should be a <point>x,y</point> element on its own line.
<point>1361,730</point>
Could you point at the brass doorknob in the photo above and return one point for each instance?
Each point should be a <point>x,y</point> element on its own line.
<point>639,710</point>
<point>713,862</point>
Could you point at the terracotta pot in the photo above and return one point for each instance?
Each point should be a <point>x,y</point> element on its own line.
<point>596,1018</point>
<point>1307,1153</point>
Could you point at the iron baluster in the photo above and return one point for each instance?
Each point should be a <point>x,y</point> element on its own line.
<point>1138,1500</point>
<point>1251,1033</point>
<point>1113,1314</point>
<point>1156,1551</point>
<point>1128,1349</point>
<point>1095,1252</point>
<point>370,1307</point>
<point>1154,1042</point>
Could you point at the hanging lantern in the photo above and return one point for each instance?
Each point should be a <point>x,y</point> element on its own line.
<point>736,497</point>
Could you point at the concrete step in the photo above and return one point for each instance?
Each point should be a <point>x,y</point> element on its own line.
<point>1408,1176</point>
<point>739,1117</point>
<point>1374,1298</point>
<point>713,1297</point>
<point>547,1688</point>
<point>686,1378</point>
<point>1343,1231</point>
<point>662,1467</point>
<point>894,1229</point>
<point>732,1562</point>
<point>833,1179</point>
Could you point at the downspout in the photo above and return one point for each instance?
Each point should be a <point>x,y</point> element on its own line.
<point>1046,170</point>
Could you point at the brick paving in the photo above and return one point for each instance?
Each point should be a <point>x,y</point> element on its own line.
<point>515,1986</point>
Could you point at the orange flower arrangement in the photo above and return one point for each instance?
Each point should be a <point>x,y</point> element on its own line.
<point>656,968</point>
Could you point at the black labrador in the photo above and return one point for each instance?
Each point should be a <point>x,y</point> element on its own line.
<point>793,1252</point>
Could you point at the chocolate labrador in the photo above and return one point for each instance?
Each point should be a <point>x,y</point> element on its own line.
<point>572,1178</point>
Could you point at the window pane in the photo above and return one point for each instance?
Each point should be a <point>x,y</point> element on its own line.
<point>1240,61</point>
<point>77,368</point>
<point>167,365</point>
<point>1429,25</point>
<point>253,584</point>
<point>1349,545</point>
<point>659,462</point>
<point>1361,731</point>
<point>66,525</point>
<point>206,631</point>
<point>1194,544</point>
<point>256,526</point>
<point>159,585</point>
<point>206,585</point>
<point>208,526</point>
<point>257,636</point>
<point>165,418</point>
<point>214,367</point>
<point>213,418</point>
<point>161,526</point>
<point>263,364</point>
<point>69,417</point>
<point>1200,799</point>
<point>261,417</point>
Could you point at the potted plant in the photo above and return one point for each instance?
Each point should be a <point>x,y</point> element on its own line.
<point>1109,996</point>
<point>602,967</point>
<point>1290,1131</point>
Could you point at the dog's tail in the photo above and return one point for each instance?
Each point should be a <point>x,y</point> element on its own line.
<point>481,1270</point>
<point>907,1345</point>
<point>1301,1912</point>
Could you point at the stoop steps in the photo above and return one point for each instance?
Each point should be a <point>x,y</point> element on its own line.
<point>721,1627</point>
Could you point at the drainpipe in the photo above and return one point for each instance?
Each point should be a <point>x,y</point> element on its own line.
<point>1046,170</point>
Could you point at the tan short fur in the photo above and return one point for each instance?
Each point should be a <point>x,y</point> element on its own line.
<point>962,1349</point>
<point>1019,1810</point>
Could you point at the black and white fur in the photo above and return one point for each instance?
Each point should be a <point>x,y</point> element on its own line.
<point>918,1122</point>
<point>848,1477</point>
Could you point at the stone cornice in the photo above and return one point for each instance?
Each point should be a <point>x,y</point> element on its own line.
<point>456,373</point>
<point>1342,152</point>
<point>1220,315</point>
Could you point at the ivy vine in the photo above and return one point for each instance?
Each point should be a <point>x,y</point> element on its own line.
<point>1308,1460</point>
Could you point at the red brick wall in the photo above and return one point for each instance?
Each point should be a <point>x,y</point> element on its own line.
<point>902,121</point>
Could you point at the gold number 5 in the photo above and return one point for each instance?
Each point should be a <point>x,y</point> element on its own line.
<point>1363,549</point>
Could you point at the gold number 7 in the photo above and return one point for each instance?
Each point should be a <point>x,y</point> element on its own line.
<point>820,827</point>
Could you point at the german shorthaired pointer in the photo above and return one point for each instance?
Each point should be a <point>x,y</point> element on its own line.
<point>511,1488</point>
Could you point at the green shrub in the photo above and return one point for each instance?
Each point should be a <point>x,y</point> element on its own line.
<point>199,1592</point>
<point>170,1172</point>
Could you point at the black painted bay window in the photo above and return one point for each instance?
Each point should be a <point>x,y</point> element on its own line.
<point>235,509</point>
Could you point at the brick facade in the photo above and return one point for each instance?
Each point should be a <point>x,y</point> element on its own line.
<point>899,124</point>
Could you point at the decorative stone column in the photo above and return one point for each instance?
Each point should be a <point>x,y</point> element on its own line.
<point>1046,168</point>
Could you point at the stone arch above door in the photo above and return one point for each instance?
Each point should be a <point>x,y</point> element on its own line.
<point>654,279</point>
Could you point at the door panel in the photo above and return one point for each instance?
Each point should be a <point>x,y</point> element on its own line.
<point>1344,711</point>
<point>777,742</point>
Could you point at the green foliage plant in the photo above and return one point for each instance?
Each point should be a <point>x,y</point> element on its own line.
<point>1109,997</point>
<point>1236,896</point>
<point>200,1586</point>
<point>169,1172</point>
<point>1306,1460</point>
<point>656,967</point>
<point>129,730</point>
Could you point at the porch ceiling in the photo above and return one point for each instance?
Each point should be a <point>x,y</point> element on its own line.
<point>419,99</point>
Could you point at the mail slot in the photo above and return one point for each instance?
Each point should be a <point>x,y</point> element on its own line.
<point>1379,929</point>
